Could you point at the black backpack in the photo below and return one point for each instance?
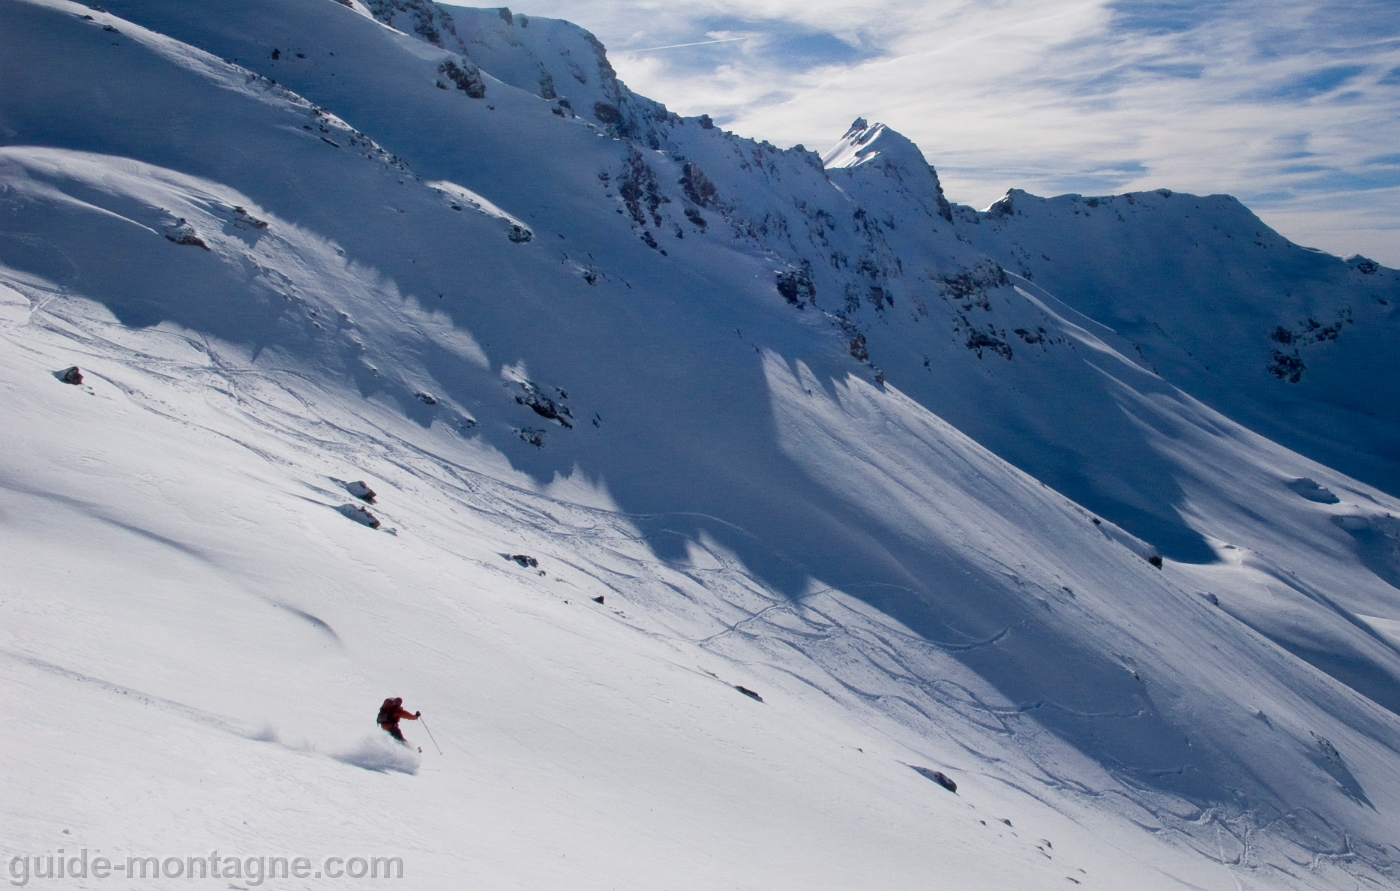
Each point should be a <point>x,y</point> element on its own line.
<point>387,711</point>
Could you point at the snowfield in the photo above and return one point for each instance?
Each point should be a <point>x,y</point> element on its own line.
<point>722,494</point>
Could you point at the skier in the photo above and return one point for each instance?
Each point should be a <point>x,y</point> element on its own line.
<point>390,713</point>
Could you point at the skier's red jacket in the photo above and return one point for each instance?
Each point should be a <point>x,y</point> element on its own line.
<point>392,711</point>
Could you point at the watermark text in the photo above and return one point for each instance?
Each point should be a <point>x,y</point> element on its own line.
<point>21,869</point>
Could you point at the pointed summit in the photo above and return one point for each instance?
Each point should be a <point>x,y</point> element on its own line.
<point>864,143</point>
<point>875,146</point>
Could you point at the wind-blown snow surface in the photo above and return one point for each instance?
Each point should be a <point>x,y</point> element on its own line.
<point>754,402</point>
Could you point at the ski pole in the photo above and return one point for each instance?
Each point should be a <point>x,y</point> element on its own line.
<point>430,735</point>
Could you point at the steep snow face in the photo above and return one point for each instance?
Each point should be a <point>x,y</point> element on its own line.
<point>880,147</point>
<point>695,381</point>
<point>561,63</point>
<point>553,59</point>
<point>1293,342</point>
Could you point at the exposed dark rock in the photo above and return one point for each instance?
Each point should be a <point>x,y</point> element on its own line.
<point>1004,207</point>
<point>426,17</point>
<point>248,219</point>
<point>1155,560</point>
<point>796,285</point>
<point>705,122</point>
<point>544,406</point>
<point>598,599</point>
<point>697,186</point>
<point>426,398</point>
<point>971,287</point>
<point>1287,367</point>
<point>466,76</point>
<point>979,340</point>
<point>1363,265</point>
<point>519,234</point>
<point>1308,332</point>
<point>749,693</point>
<point>70,375</point>
<point>183,233</point>
<point>858,350</point>
<point>639,190</point>
<point>606,114</point>
<point>694,216</point>
<point>525,560</point>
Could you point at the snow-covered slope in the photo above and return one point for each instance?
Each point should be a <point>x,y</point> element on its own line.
<point>1291,340</point>
<point>771,410</point>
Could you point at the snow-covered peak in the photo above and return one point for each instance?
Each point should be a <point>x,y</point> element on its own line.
<point>864,142</point>
<point>877,147</point>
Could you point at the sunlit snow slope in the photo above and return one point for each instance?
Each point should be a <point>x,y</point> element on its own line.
<point>653,413</point>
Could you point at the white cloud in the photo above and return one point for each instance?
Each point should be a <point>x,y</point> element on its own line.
<point>1292,106</point>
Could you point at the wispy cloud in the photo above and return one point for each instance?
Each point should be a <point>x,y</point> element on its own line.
<point>1292,106</point>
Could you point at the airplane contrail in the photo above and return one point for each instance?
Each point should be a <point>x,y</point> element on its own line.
<point>678,45</point>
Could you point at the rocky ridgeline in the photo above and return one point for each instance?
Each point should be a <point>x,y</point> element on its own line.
<point>910,284</point>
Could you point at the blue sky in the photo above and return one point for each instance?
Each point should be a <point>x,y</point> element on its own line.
<point>1294,107</point>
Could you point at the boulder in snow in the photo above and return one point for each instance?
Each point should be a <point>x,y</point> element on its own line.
<point>70,375</point>
<point>241,215</point>
<point>360,491</point>
<point>360,515</point>
<point>937,776</point>
<point>181,232</point>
